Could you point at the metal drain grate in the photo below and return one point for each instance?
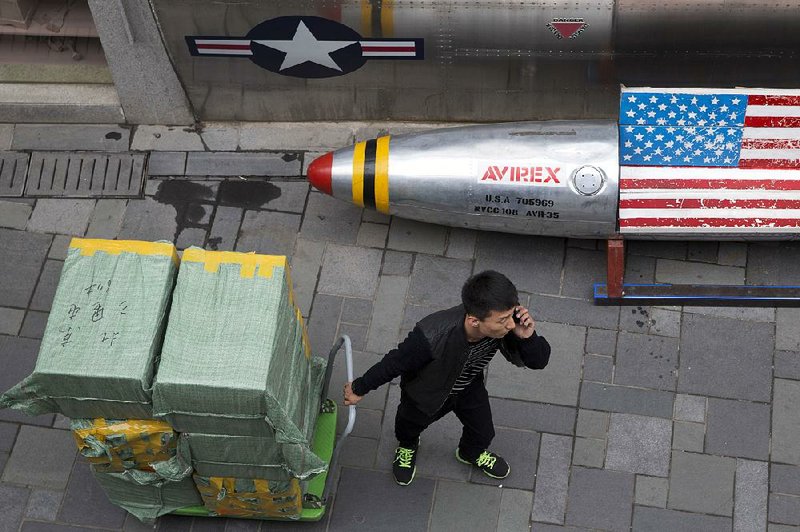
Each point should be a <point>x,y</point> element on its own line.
<point>12,173</point>
<point>85,174</point>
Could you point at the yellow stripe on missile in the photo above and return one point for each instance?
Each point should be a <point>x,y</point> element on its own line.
<point>358,173</point>
<point>382,175</point>
<point>387,18</point>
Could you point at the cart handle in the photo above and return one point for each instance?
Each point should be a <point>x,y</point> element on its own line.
<point>351,414</point>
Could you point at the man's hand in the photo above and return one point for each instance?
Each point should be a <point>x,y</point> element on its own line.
<point>349,397</point>
<point>526,325</point>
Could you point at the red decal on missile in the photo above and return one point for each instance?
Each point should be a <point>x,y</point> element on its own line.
<point>567,28</point>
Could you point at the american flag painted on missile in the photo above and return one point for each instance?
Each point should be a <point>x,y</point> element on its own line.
<point>724,161</point>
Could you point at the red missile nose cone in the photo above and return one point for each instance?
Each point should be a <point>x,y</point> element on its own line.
<point>319,173</point>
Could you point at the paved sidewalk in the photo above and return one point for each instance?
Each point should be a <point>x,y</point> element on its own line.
<point>655,418</point>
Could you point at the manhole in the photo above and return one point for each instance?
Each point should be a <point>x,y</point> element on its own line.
<point>12,173</point>
<point>85,174</point>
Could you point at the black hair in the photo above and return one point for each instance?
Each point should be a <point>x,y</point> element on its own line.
<point>487,291</point>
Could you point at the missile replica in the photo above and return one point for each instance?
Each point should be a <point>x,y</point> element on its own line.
<point>681,164</point>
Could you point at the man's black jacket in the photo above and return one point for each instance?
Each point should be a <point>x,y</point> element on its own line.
<point>431,358</point>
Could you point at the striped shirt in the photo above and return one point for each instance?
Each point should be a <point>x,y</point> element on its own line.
<point>479,355</point>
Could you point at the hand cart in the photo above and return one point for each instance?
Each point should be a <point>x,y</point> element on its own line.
<point>317,495</point>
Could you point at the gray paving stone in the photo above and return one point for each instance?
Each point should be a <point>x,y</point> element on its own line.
<point>639,444</point>
<point>147,219</point>
<point>372,235</point>
<point>740,367</point>
<point>657,520</point>
<point>62,422</point>
<point>787,364</point>
<point>166,163</point>
<point>573,312</point>
<point>592,424</point>
<point>322,323</point>
<point>690,408</point>
<point>43,504</point>
<point>6,136</point>
<point>328,219</point>
<point>598,368</point>
<point>640,269</point>
<point>787,333</point>
<point>772,527</point>
<point>589,452</point>
<point>786,422</point>
<point>541,527</point>
<point>515,510</point>
<point>387,313</point>
<point>358,311</point>
<point>59,247</point>
<point>701,483</point>
<point>12,506</point>
<point>220,136</point>
<point>375,217</point>
<point>286,196</point>
<point>358,336</point>
<point>461,243</point>
<point>647,361</point>
<point>783,479</point>
<point>85,502</point>
<point>784,509</point>
<point>636,320</point>
<point>14,215</point>
<point>665,322</point>
<point>552,479</point>
<point>359,452</point>
<point>11,320</point>
<point>225,228</point>
<point>651,491</point>
<point>725,435</point>
<point>368,425</point>
<point>436,281</point>
<point>750,503</point>
<point>688,436</point>
<point>772,263</point>
<point>3,461</point>
<point>70,216</point>
<point>520,449</point>
<point>41,457</point>
<point>532,416</point>
<point>702,251</point>
<point>679,272</point>
<point>17,358</point>
<point>595,396</point>
<point>601,341</point>
<point>513,255</point>
<point>106,219</point>
<point>46,287</point>
<point>396,263</point>
<point>558,383</point>
<point>306,262</point>
<point>8,435</point>
<point>360,491</point>
<point>732,254</point>
<point>410,235</point>
<point>242,164</point>
<point>166,138</point>
<point>71,137</point>
<point>661,249</point>
<point>179,523</point>
<point>269,233</point>
<point>190,236</point>
<point>582,268</point>
<point>349,271</point>
<point>600,499</point>
<point>461,506</point>
<point>323,136</point>
<point>763,314</point>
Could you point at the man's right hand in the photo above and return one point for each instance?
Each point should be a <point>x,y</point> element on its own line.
<point>349,397</point>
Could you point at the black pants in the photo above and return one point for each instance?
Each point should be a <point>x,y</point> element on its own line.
<point>471,406</point>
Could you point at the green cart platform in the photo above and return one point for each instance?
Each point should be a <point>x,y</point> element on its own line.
<point>315,499</point>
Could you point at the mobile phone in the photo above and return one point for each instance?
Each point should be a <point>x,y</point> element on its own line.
<point>514,315</point>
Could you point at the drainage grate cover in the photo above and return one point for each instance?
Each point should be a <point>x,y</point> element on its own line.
<point>12,173</point>
<point>85,174</point>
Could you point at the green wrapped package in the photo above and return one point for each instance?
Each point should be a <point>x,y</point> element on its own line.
<point>104,332</point>
<point>148,502</point>
<point>235,359</point>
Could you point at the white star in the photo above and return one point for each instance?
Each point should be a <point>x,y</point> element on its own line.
<point>672,114</point>
<point>305,48</point>
<point>703,108</point>
<point>661,121</point>
<point>698,152</point>
<point>642,106</point>
<point>667,158</point>
<point>731,132</point>
<point>637,151</point>
<point>670,129</point>
<point>681,122</point>
<point>678,151</point>
<point>648,144</point>
<point>722,123</point>
<point>651,114</point>
<point>631,113</point>
<point>658,151</point>
<point>692,115</point>
<point>629,129</point>
<point>717,152</point>
<point>732,116</point>
<point>723,108</point>
<point>679,138</point>
<point>662,107</point>
<point>640,121</point>
<point>673,99</point>
<point>712,115</point>
<point>659,137</point>
<point>687,159</point>
<point>653,99</point>
<point>714,100</point>
<point>701,122</point>
<point>669,144</point>
<point>735,101</point>
<point>694,100</point>
<point>631,98</point>
<point>707,159</point>
<point>628,144</point>
<point>647,157</point>
<point>727,160</point>
<point>682,108</point>
<point>627,157</point>
<point>639,136</point>
<point>649,129</point>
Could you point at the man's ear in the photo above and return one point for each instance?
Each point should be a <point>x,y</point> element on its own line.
<point>473,321</point>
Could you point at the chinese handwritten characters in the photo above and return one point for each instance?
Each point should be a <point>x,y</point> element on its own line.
<point>96,311</point>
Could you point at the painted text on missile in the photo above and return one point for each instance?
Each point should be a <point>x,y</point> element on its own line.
<point>542,175</point>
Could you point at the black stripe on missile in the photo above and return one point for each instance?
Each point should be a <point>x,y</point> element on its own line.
<point>369,173</point>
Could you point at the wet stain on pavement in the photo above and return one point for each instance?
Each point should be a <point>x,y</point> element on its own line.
<point>180,194</point>
<point>247,194</point>
<point>114,135</point>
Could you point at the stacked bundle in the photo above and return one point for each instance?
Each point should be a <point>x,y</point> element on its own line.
<point>97,360</point>
<point>237,377</point>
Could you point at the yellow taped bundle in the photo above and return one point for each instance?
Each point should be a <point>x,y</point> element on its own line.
<point>233,497</point>
<point>114,446</point>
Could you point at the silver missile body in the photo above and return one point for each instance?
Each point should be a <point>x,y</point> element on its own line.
<point>558,178</point>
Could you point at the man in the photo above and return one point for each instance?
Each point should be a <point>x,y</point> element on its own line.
<point>441,365</point>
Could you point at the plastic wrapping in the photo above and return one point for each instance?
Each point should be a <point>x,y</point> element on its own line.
<point>254,498</point>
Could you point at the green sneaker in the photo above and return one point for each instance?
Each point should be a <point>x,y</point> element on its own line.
<point>492,465</point>
<point>404,465</point>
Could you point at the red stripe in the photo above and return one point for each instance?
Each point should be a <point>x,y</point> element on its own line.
<point>223,46</point>
<point>769,164</point>
<point>763,99</point>
<point>388,48</point>
<point>775,144</point>
<point>709,222</point>
<point>772,121</point>
<point>713,184</point>
<point>710,203</point>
